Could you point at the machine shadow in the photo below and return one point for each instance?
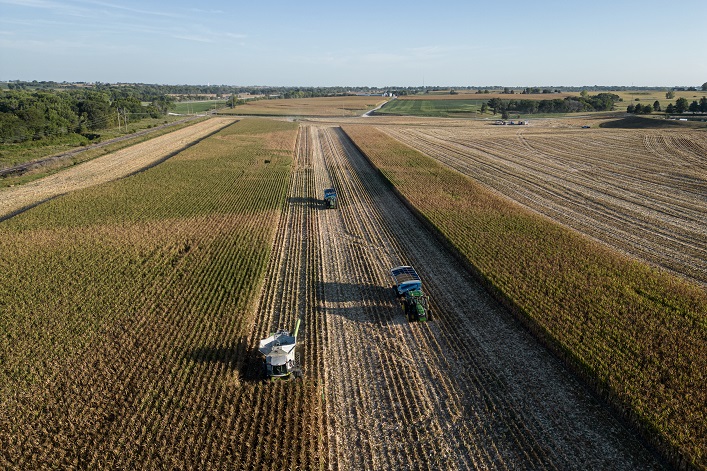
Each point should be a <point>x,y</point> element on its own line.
<point>308,202</point>
<point>359,302</point>
<point>240,357</point>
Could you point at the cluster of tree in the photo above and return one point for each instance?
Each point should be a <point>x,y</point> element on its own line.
<point>681,106</point>
<point>536,90</point>
<point>643,109</point>
<point>27,115</point>
<point>600,102</point>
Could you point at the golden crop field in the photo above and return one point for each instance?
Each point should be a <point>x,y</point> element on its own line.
<point>324,106</point>
<point>132,305</point>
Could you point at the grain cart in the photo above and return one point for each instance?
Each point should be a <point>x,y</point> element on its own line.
<point>408,289</point>
<point>279,353</point>
<point>330,198</point>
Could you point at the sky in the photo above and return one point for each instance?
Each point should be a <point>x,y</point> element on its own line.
<point>360,43</point>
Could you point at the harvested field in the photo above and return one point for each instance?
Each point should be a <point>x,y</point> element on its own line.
<point>470,390</point>
<point>104,169</point>
<point>641,192</point>
<point>159,287</point>
<point>321,106</point>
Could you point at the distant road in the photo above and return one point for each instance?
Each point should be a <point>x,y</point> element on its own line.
<point>367,114</point>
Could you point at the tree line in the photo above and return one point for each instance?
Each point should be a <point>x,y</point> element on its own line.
<point>585,102</point>
<point>680,106</point>
<point>31,115</point>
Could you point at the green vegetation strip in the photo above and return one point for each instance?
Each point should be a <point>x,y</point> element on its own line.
<point>637,335</point>
<point>16,154</point>
<point>432,108</point>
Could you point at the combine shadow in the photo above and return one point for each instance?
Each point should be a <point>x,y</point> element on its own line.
<point>239,357</point>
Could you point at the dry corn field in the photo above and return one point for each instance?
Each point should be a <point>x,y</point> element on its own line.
<point>131,314</point>
<point>111,167</point>
<point>642,192</point>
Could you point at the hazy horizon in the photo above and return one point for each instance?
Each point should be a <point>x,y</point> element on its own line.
<point>382,44</point>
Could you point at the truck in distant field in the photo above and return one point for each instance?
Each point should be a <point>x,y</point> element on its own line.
<point>408,290</point>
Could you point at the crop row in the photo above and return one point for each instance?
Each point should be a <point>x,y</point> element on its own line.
<point>610,185</point>
<point>637,334</point>
<point>125,311</point>
<point>470,390</point>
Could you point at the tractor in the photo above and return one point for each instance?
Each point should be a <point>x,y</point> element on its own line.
<point>330,198</point>
<point>408,290</point>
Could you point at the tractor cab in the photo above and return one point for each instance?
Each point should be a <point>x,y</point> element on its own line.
<point>330,198</point>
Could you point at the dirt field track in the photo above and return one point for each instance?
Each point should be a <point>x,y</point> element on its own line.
<point>641,192</point>
<point>470,390</point>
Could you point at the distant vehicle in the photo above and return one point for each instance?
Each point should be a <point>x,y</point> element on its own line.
<point>585,127</point>
<point>408,289</point>
<point>279,353</point>
<point>330,198</point>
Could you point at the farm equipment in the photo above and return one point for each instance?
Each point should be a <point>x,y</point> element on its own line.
<point>279,353</point>
<point>408,290</point>
<point>330,198</point>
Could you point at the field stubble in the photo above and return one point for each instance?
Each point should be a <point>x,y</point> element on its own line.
<point>469,390</point>
<point>641,192</point>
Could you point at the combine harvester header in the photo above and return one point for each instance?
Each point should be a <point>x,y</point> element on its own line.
<point>408,289</point>
<point>279,353</point>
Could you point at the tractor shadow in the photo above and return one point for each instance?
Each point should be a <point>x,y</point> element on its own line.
<point>365,303</point>
<point>307,202</point>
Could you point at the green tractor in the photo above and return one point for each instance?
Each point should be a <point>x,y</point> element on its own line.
<point>416,306</point>
<point>408,289</point>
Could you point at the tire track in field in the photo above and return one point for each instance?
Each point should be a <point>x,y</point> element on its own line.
<point>649,205</point>
<point>469,390</point>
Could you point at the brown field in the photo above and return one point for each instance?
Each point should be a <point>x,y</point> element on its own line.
<point>324,106</point>
<point>187,265</point>
<point>488,96</point>
<point>639,191</point>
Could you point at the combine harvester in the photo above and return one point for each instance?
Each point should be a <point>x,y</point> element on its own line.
<point>279,353</point>
<point>330,198</point>
<point>408,289</point>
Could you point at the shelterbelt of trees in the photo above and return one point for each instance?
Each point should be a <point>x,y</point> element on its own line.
<point>35,114</point>
<point>585,102</point>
